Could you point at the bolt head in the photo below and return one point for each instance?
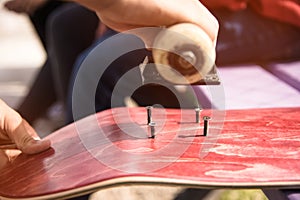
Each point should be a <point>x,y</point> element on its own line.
<point>206,118</point>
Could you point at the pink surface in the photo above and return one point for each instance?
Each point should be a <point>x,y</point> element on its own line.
<point>287,72</point>
<point>247,87</point>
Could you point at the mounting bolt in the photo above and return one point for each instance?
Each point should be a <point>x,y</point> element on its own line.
<point>205,128</point>
<point>149,114</point>
<point>197,112</point>
<point>151,130</point>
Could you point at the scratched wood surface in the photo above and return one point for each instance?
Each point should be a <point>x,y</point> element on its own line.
<point>244,148</point>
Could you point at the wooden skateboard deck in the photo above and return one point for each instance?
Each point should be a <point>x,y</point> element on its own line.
<point>254,148</point>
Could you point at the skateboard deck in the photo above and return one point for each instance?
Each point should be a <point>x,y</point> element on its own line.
<point>257,148</point>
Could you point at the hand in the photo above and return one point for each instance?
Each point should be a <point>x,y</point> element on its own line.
<point>122,15</point>
<point>16,133</point>
<point>24,6</point>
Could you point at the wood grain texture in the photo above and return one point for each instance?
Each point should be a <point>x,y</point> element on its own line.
<point>256,148</point>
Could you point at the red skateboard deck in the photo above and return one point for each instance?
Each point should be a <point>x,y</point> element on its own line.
<point>243,148</point>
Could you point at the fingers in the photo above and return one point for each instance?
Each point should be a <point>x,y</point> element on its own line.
<point>27,141</point>
<point>199,15</point>
<point>130,14</point>
<point>35,146</point>
<point>15,130</point>
<point>8,146</point>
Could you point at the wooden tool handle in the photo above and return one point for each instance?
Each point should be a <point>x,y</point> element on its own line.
<point>183,53</point>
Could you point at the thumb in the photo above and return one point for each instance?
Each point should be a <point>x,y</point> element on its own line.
<point>27,140</point>
<point>13,128</point>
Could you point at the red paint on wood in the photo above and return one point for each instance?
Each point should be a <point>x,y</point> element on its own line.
<point>254,146</point>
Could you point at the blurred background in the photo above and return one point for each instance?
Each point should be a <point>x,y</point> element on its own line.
<point>21,55</point>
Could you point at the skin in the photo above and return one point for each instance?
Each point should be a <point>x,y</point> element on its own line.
<point>123,15</point>
<point>16,133</point>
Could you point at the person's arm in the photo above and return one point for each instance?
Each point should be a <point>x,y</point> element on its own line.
<point>122,15</point>
<point>16,133</point>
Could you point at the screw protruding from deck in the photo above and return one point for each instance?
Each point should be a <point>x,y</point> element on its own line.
<point>197,112</point>
<point>149,114</point>
<point>205,127</point>
<point>151,130</point>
